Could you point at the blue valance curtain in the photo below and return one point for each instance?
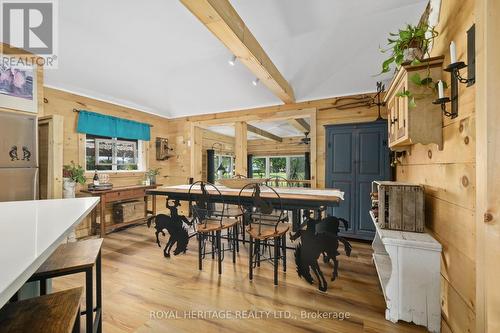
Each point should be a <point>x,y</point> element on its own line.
<point>103,125</point>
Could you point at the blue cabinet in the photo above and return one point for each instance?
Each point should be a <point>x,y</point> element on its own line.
<point>356,155</point>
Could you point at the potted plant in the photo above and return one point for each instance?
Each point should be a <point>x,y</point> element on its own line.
<point>410,45</point>
<point>72,174</point>
<point>152,173</point>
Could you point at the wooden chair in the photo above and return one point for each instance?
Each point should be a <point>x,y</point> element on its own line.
<point>55,313</point>
<point>72,258</point>
<point>209,215</point>
<point>266,224</point>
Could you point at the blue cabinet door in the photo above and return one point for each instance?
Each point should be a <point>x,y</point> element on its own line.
<point>357,154</point>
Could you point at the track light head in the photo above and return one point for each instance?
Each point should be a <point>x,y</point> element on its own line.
<point>232,61</point>
<point>255,82</point>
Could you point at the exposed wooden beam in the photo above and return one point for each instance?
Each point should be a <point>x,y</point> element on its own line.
<point>225,23</point>
<point>300,124</point>
<point>263,133</point>
<point>240,148</point>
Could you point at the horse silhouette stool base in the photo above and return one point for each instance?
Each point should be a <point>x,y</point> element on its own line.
<point>319,238</point>
<point>174,224</point>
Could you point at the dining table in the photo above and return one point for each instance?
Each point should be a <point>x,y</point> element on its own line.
<point>294,199</point>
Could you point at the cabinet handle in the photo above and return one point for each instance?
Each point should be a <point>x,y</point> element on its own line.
<point>395,120</point>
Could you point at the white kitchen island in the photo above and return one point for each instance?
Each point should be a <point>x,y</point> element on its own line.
<point>29,232</point>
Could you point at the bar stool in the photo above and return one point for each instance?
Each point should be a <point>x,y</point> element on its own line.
<point>267,225</point>
<point>72,258</point>
<point>210,220</point>
<point>55,313</point>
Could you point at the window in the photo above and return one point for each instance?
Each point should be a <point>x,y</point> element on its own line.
<point>227,163</point>
<point>259,167</point>
<point>113,154</point>
<point>289,167</point>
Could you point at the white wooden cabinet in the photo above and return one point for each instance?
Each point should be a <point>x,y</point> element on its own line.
<point>420,124</point>
<point>408,267</point>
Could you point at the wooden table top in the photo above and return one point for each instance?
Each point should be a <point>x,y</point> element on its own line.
<point>295,193</point>
<point>120,188</point>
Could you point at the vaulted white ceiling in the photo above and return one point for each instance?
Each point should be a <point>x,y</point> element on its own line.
<point>157,57</point>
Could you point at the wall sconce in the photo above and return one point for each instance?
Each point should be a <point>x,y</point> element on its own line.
<point>454,69</point>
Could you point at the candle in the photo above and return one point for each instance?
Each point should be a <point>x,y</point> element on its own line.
<point>440,89</point>
<point>453,53</point>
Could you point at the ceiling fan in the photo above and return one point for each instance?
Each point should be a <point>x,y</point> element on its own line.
<point>305,140</point>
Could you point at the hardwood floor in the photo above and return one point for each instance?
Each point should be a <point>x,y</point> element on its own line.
<point>140,286</point>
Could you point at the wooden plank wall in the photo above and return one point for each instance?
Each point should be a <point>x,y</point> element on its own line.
<point>62,103</point>
<point>209,138</point>
<point>289,146</point>
<point>327,114</point>
<point>450,182</point>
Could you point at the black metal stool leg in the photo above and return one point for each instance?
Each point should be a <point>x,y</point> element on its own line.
<point>98,286</point>
<point>219,252</point>
<point>214,240</point>
<point>200,240</point>
<point>257,248</point>
<point>234,241</point>
<point>283,249</point>
<point>89,304</point>
<point>236,237</point>
<point>250,259</point>
<point>276,259</point>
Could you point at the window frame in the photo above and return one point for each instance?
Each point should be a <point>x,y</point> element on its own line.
<point>268,164</point>
<point>140,151</point>
<point>217,158</point>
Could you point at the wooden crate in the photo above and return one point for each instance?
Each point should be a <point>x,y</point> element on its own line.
<point>128,211</point>
<point>401,206</point>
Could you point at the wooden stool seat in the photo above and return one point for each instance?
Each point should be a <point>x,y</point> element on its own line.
<point>216,225</point>
<point>55,313</point>
<point>71,256</point>
<point>267,232</point>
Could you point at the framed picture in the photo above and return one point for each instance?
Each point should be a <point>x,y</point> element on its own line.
<point>18,88</point>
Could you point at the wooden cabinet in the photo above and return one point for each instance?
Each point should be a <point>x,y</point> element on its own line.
<point>420,124</point>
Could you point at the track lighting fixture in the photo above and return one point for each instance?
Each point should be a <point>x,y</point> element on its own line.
<point>232,61</point>
<point>255,82</point>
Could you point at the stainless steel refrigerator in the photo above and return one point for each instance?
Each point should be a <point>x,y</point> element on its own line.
<point>18,157</point>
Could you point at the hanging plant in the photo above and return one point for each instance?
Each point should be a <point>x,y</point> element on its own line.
<point>410,45</point>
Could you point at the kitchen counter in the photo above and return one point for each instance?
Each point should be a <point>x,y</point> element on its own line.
<point>29,232</point>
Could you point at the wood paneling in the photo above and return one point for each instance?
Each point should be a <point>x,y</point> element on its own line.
<point>179,132</point>
<point>449,177</point>
<point>289,146</point>
<point>62,103</point>
<point>488,160</point>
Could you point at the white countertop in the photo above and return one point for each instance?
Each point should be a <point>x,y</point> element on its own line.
<point>29,232</point>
